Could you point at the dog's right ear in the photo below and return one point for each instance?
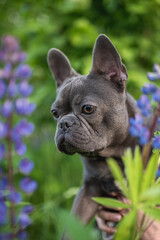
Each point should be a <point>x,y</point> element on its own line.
<point>60,66</point>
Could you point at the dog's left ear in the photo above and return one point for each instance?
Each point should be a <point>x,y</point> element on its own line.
<point>107,61</point>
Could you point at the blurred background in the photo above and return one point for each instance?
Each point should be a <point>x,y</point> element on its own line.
<point>73,26</point>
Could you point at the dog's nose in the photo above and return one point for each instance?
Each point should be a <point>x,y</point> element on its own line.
<point>65,124</point>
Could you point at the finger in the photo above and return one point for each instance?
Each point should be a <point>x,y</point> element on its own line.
<point>109,216</point>
<point>103,226</point>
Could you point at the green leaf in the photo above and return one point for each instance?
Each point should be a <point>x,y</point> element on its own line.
<point>152,212</point>
<point>118,175</point>
<point>127,227</point>
<point>151,196</point>
<point>111,203</point>
<point>129,171</point>
<point>150,172</point>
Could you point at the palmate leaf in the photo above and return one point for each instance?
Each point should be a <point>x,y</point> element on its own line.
<point>111,203</point>
<point>151,196</point>
<point>150,172</point>
<point>138,172</point>
<point>118,175</point>
<point>127,227</point>
<point>152,212</point>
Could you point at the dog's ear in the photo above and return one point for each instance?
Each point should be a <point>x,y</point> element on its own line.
<point>107,61</point>
<point>60,66</point>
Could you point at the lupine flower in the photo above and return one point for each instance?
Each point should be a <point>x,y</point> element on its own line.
<point>15,197</point>
<point>3,129</point>
<point>28,185</point>
<point>23,71</point>
<point>2,151</point>
<point>152,76</point>
<point>26,166</point>
<point>24,220</point>
<point>149,89</point>
<point>2,89</point>
<point>14,89</point>
<point>23,107</point>
<point>3,212</point>
<point>158,173</point>
<point>156,96</point>
<point>22,235</point>
<point>28,209</point>
<point>156,142</point>
<point>144,104</point>
<point>7,109</point>
<point>25,89</point>
<point>20,147</point>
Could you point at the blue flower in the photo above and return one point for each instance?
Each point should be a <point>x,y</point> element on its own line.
<point>3,129</point>
<point>2,89</point>
<point>20,147</point>
<point>2,151</point>
<point>7,109</point>
<point>23,128</point>
<point>156,142</point>
<point>3,212</point>
<point>28,185</point>
<point>28,209</point>
<point>144,104</point>
<point>25,89</point>
<point>149,89</point>
<point>23,107</point>
<point>23,71</point>
<point>158,173</point>
<point>26,166</point>
<point>156,96</point>
<point>15,197</point>
<point>12,88</point>
<point>24,220</point>
<point>22,235</point>
<point>152,76</point>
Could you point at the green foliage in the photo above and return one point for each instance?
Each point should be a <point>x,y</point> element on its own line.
<point>72,26</point>
<point>140,187</point>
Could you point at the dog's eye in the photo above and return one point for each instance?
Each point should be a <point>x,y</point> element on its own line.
<point>55,113</point>
<point>88,109</point>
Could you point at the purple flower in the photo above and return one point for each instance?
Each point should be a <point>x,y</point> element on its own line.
<point>20,148</point>
<point>152,76</point>
<point>144,104</point>
<point>26,166</point>
<point>7,70</point>
<point>22,235</point>
<point>156,96</point>
<point>3,130</point>
<point>2,151</point>
<point>28,185</point>
<point>25,89</point>
<point>2,89</point>
<point>12,88</point>
<point>7,109</point>
<point>156,68</point>
<point>144,136</point>
<point>28,209</point>
<point>3,212</point>
<point>149,89</point>
<point>23,107</point>
<point>156,142</point>
<point>15,197</point>
<point>24,220</point>
<point>23,128</point>
<point>23,71</point>
<point>10,44</point>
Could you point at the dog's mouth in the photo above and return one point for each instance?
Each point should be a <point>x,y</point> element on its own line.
<point>68,146</point>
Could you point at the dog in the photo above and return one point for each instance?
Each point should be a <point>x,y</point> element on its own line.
<point>92,113</point>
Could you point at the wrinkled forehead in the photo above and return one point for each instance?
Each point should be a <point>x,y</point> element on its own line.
<point>85,87</point>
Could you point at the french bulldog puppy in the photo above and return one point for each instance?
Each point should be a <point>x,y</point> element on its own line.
<point>92,114</point>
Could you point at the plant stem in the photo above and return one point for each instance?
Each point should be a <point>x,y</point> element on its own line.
<point>10,172</point>
<point>148,147</point>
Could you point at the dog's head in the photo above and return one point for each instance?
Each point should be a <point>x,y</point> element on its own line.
<point>90,110</point>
